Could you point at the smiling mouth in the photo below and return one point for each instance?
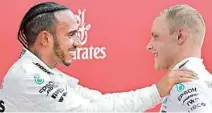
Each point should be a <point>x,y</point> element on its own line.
<point>71,52</point>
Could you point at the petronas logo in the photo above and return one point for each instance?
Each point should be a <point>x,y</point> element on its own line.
<point>38,79</point>
<point>180,87</point>
<point>165,100</point>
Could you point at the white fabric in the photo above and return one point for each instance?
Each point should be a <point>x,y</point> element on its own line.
<point>194,96</point>
<point>30,85</point>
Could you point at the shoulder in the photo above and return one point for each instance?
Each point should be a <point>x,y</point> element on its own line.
<point>21,68</point>
<point>181,91</point>
<point>188,86</point>
<point>22,72</point>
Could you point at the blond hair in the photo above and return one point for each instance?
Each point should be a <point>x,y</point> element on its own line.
<point>187,17</point>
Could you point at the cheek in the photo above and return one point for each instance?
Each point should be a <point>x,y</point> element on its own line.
<point>70,41</point>
<point>167,50</point>
<point>159,46</point>
<point>65,44</point>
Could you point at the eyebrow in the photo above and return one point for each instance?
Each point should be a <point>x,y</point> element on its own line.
<point>72,32</point>
<point>154,34</point>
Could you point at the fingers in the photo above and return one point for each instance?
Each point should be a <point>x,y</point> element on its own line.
<point>187,74</point>
<point>180,79</point>
<point>184,73</point>
<point>184,70</point>
<point>185,77</point>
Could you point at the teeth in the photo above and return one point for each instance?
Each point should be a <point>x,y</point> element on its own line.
<point>71,53</point>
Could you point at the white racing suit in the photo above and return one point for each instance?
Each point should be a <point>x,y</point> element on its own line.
<point>30,85</point>
<point>194,96</point>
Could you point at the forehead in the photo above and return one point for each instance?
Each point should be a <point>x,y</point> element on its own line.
<point>160,25</point>
<point>66,20</point>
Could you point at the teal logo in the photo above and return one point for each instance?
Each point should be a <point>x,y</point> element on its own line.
<point>38,79</point>
<point>180,87</point>
<point>165,100</point>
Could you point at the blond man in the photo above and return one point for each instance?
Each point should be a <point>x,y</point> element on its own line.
<point>177,38</point>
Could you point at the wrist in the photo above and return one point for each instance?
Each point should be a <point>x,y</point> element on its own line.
<point>155,94</point>
<point>159,90</point>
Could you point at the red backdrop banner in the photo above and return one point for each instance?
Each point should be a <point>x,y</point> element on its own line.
<point>115,34</point>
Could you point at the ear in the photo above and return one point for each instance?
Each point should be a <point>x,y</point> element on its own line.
<point>45,38</point>
<point>182,36</point>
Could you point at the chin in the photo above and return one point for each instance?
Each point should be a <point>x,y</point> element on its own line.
<point>67,64</point>
<point>157,67</point>
<point>160,67</point>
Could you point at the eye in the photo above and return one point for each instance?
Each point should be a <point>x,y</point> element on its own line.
<point>155,36</point>
<point>71,35</point>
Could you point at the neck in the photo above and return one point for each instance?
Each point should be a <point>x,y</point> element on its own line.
<point>184,55</point>
<point>44,57</point>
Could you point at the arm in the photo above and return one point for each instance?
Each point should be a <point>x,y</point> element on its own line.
<point>50,96</point>
<point>141,99</point>
<point>138,100</point>
<point>53,96</point>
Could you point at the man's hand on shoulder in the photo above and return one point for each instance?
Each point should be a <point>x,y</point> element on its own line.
<point>171,78</point>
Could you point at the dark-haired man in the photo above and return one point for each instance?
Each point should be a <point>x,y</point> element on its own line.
<point>48,33</point>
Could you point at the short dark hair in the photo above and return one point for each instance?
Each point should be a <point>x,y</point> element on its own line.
<point>39,18</point>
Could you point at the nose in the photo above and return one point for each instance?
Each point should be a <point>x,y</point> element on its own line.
<point>77,42</point>
<point>149,46</point>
